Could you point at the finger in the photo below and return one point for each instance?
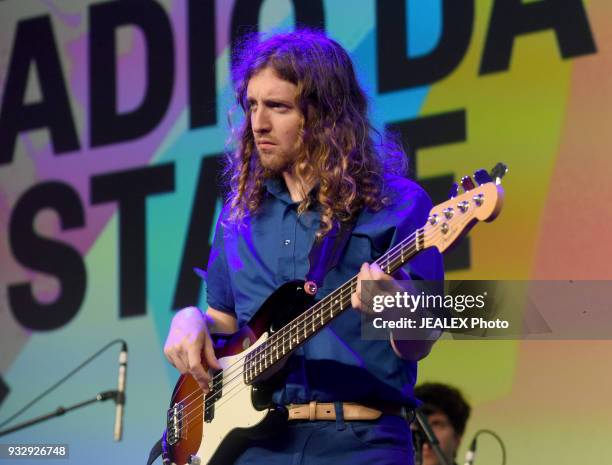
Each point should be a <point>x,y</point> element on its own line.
<point>196,369</point>
<point>355,301</point>
<point>169,354</point>
<point>364,275</point>
<point>209,354</point>
<point>182,361</point>
<point>172,354</point>
<point>377,272</point>
<point>364,271</point>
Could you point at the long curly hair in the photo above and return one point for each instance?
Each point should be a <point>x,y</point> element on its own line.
<point>336,145</point>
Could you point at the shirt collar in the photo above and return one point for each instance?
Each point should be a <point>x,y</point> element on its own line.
<point>278,188</point>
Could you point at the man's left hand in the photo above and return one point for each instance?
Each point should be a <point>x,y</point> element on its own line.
<point>410,350</point>
<point>367,272</point>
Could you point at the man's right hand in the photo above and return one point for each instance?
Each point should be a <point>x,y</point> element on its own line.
<point>188,335</point>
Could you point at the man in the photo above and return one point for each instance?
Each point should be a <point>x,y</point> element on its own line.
<point>305,163</point>
<point>447,413</point>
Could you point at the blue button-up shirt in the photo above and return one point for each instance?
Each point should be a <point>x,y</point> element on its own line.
<point>248,263</point>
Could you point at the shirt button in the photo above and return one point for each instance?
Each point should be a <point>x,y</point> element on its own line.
<point>287,241</point>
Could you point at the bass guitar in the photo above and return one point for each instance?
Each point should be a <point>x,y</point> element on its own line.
<point>205,429</point>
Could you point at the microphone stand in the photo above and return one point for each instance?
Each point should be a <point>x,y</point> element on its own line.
<point>418,439</point>
<point>431,436</point>
<point>101,397</point>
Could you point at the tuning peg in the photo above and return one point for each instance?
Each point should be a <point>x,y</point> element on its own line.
<point>482,177</point>
<point>499,171</point>
<point>467,183</point>
<point>452,193</point>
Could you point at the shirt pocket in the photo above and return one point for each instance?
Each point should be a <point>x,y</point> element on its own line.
<point>389,431</point>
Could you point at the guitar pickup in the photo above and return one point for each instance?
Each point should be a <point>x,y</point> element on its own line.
<point>213,396</point>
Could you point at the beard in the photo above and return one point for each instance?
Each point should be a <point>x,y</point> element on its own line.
<point>274,161</point>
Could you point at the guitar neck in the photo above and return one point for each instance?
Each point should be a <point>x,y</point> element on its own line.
<point>302,328</point>
<point>446,223</point>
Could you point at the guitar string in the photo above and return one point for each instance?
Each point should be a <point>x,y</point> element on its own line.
<point>389,259</point>
<point>239,386</point>
<point>407,239</point>
<point>311,312</point>
<point>345,297</point>
<point>386,260</point>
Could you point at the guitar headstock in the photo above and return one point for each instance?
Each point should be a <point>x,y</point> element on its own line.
<point>452,219</point>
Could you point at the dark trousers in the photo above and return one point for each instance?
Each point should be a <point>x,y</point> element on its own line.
<point>385,441</point>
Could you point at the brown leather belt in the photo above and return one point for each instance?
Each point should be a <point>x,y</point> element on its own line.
<point>351,411</point>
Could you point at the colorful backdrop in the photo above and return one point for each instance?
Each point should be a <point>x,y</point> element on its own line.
<point>112,122</point>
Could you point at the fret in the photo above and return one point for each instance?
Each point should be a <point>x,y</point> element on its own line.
<point>259,361</point>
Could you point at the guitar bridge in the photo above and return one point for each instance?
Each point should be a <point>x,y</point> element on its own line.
<point>174,423</point>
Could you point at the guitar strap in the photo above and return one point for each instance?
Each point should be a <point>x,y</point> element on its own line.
<point>156,451</point>
<point>325,254</point>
